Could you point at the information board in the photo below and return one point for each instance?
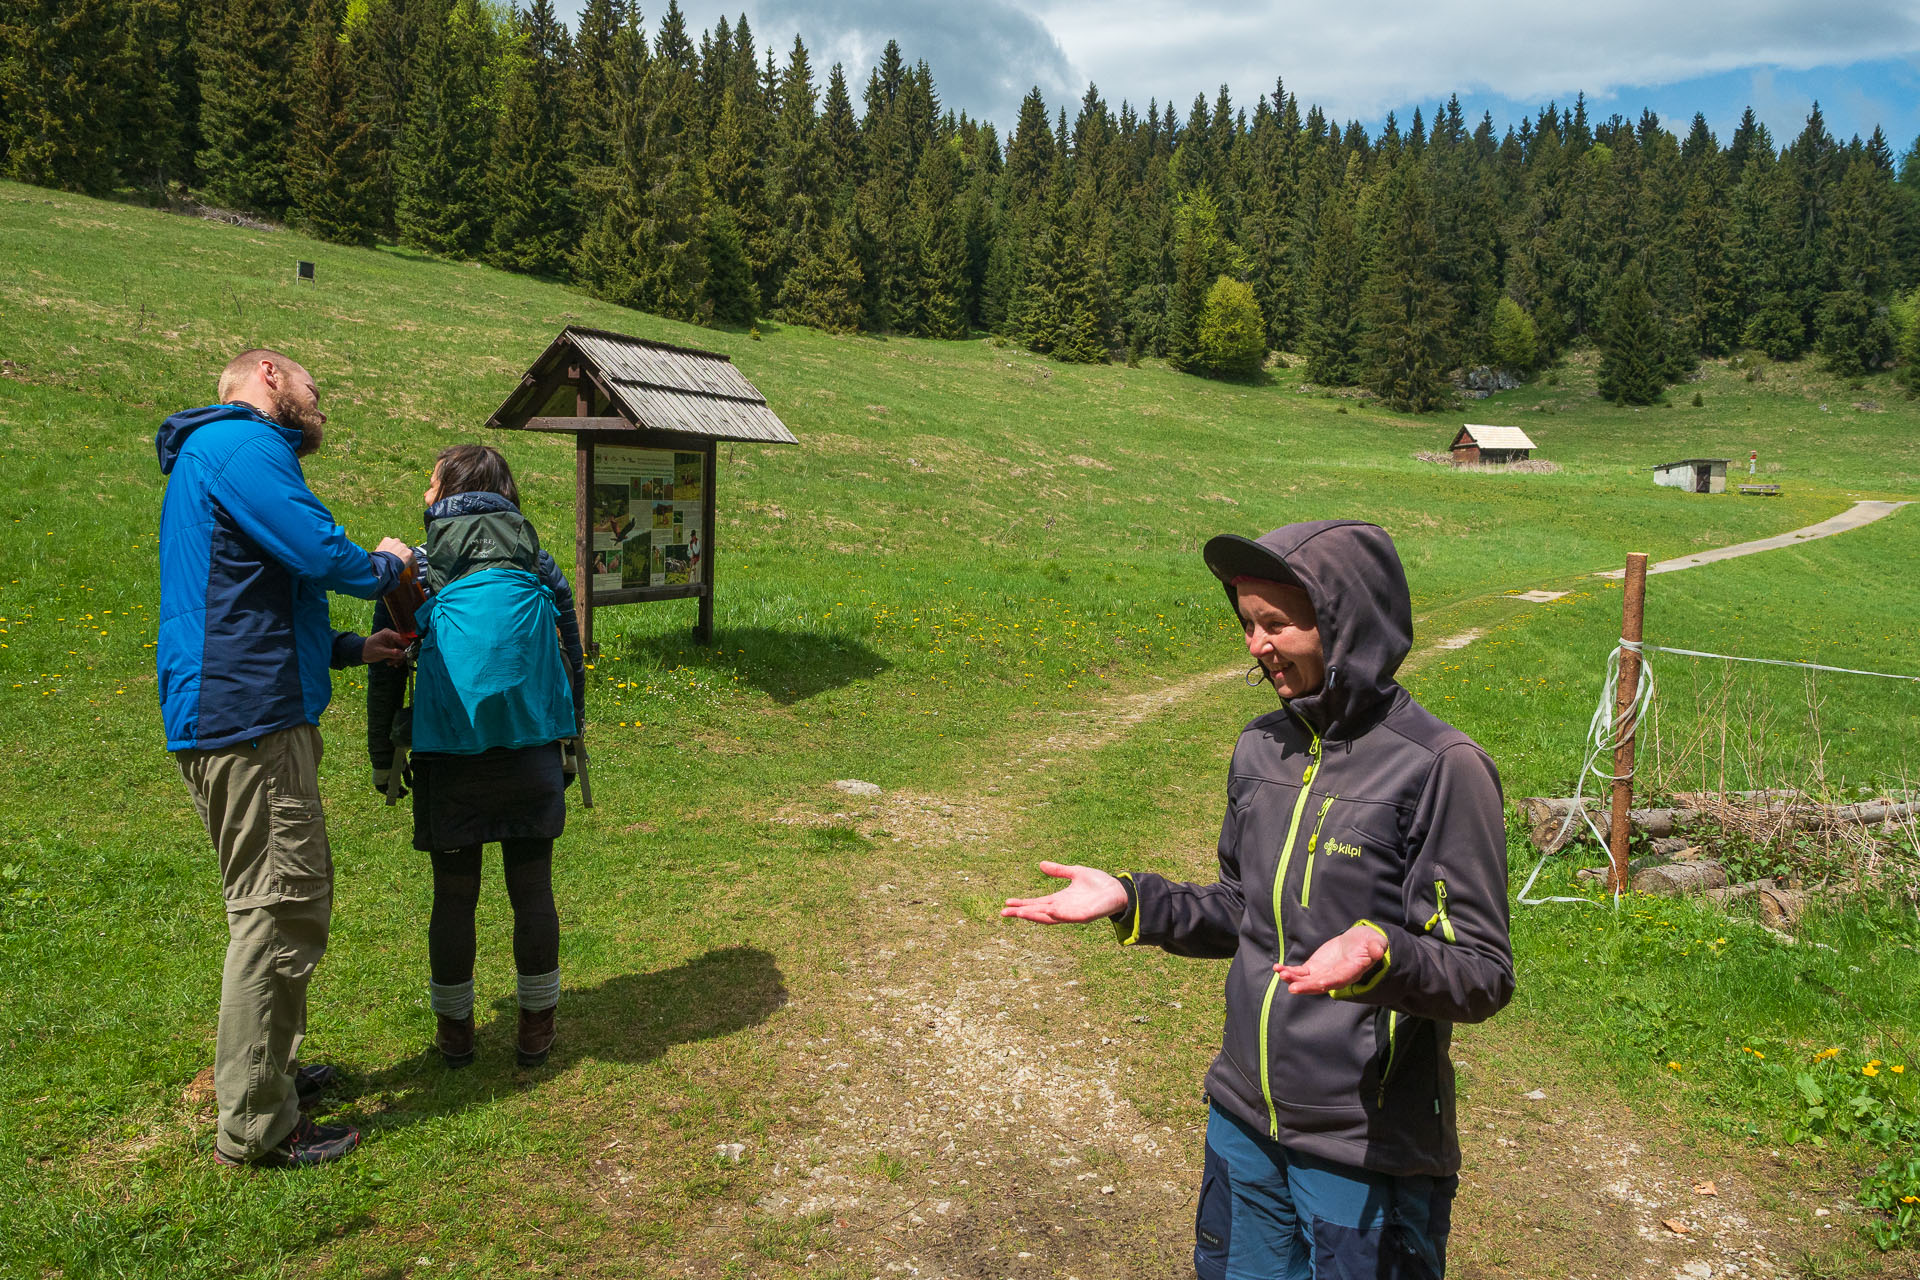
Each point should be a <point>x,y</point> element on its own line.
<point>648,507</point>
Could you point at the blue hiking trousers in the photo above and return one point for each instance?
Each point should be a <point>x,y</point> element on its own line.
<point>1268,1212</point>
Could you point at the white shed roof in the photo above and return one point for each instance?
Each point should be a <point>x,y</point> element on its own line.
<point>1499,437</point>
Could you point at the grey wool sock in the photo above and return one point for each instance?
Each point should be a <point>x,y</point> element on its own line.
<point>539,991</point>
<point>454,1000</point>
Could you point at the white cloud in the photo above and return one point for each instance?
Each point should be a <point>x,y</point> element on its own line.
<point>1356,61</point>
<point>984,54</point>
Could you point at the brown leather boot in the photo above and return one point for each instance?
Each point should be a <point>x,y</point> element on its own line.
<point>454,1039</point>
<point>536,1035</point>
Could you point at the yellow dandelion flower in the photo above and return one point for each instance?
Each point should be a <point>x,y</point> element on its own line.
<point>1869,1071</point>
<point>1674,1066</point>
<point>1897,1070</point>
<point>1824,1054</point>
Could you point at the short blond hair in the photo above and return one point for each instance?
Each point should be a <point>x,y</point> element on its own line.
<point>242,366</point>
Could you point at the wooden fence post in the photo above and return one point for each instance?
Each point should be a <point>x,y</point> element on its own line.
<point>1632,620</point>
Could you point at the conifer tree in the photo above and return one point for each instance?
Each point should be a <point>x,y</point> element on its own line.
<point>159,85</point>
<point>841,151</point>
<point>608,260</point>
<point>533,212</point>
<point>1197,262</point>
<point>590,106</point>
<point>737,182</point>
<point>328,176</point>
<point>1033,313</point>
<point>1703,250</point>
<point>1855,331</point>
<point>382,38</point>
<point>730,289</point>
<point>61,95</point>
<point>1030,151</point>
<point>1079,306</point>
<point>796,182</point>
<point>940,248</point>
<point>1407,308</point>
<point>440,165</point>
<point>823,289</point>
<point>246,56</point>
<point>1632,347</point>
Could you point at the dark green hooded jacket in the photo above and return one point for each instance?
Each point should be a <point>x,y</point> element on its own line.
<point>1351,805</point>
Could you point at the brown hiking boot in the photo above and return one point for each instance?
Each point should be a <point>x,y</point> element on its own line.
<point>454,1040</point>
<point>536,1035</point>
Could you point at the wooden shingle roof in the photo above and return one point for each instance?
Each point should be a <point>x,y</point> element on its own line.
<point>648,385</point>
<point>1498,437</point>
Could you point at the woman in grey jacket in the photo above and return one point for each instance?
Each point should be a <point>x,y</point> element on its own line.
<point>1362,899</point>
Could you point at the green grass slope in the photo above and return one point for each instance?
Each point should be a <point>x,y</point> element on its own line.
<point>968,544</point>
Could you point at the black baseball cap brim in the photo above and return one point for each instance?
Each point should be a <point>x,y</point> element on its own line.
<point>1231,556</point>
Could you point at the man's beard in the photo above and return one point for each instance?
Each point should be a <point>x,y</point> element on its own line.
<point>289,412</point>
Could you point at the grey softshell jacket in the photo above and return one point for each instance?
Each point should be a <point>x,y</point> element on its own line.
<point>1353,804</point>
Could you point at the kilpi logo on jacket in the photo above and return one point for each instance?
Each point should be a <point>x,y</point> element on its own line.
<point>1350,850</point>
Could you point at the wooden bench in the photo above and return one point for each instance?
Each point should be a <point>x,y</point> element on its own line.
<point>1762,490</point>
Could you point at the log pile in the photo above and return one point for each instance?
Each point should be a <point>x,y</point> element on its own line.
<point>1677,867</point>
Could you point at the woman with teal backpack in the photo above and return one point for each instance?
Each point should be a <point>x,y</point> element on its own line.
<point>499,695</point>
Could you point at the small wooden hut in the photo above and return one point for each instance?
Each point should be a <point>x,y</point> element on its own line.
<point>647,419</point>
<point>1695,475</point>
<point>1478,445</point>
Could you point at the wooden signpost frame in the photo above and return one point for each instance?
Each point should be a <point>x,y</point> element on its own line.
<point>590,429</point>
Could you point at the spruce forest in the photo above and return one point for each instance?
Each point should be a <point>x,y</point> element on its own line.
<point>718,182</point>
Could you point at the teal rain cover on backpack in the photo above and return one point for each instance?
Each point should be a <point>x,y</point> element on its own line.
<point>490,673</point>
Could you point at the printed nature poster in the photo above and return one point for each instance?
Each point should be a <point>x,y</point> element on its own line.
<point>636,563</point>
<point>687,476</point>
<point>677,565</point>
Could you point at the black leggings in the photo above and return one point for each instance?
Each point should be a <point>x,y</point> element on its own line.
<point>456,895</point>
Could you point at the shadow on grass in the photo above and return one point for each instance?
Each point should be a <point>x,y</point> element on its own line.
<point>787,666</point>
<point>632,1018</point>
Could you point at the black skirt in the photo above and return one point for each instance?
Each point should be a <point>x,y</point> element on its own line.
<point>506,794</point>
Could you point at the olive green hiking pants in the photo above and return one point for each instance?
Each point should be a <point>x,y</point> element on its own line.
<point>261,805</point>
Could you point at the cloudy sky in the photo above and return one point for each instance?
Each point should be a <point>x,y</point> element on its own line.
<point>1859,58</point>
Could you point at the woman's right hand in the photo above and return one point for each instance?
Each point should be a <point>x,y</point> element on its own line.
<point>1092,895</point>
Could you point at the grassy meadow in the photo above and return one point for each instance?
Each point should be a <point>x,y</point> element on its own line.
<point>967,584</point>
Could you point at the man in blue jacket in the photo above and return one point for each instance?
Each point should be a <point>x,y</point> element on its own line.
<point>247,556</point>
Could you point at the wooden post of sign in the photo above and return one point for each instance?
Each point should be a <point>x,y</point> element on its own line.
<point>583,521</point>
<point>710,471</point>
<point>1632,620</point>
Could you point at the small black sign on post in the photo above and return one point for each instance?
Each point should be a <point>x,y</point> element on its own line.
<point>303,271</point>
<point>646,419</point>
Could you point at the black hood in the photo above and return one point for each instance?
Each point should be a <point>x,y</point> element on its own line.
<point>1351,572</point>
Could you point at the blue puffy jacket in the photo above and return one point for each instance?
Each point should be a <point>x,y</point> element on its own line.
<point>247,556</point>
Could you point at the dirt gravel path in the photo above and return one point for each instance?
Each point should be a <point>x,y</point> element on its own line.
<point>974,1120</point>
<point>1860,513</point>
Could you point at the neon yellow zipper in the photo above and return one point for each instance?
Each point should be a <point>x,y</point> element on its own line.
<point>1279,925</point>
<point>1313,841</point>
<point>1393,1047</point>
<point>1439,915</point>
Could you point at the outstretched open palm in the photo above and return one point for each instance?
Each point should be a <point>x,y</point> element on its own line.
<point>1092,895</point>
